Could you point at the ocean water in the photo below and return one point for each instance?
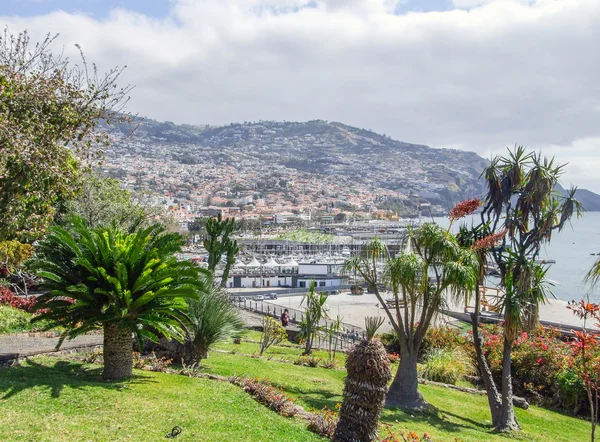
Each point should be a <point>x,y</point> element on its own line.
<point>572,250</point>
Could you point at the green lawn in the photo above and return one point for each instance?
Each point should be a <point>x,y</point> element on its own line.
<point>56,400</point>
<point>453,414</point>
<point>289,352</point>
<point>13,320</point>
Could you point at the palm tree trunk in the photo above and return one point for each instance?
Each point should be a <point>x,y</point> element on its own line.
<point>494,398</point>
<point>118,356</point>
<point>532,317</point>
<point>404,391</point>
<point>508,420</point>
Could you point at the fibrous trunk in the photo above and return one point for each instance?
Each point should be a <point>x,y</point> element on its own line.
<point>494,398</point>
<point>364,393</point>
<point>404,391</point>
<point>118,348</point>
<point>508,420</point>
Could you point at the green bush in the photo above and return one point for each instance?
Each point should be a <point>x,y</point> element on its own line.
<point>13,320</point>
<point>447,365</point>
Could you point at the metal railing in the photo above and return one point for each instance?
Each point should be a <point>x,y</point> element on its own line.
<point>347,336</point>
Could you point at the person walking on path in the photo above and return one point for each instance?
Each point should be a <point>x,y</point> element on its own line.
<point>285,318</point>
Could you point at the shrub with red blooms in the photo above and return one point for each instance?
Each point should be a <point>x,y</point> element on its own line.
<point>7,297</point>
<point>393,357</point>
<point>540,360</point>
<point>464,208</point>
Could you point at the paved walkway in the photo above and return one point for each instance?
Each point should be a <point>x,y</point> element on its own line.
<point>26,345</point>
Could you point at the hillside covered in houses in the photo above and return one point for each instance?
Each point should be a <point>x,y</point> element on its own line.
<point>297,167</point>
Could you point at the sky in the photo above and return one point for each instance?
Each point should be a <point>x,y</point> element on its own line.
<point>476,75</point>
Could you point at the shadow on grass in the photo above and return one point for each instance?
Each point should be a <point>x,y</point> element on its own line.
<point>56,376</point>
<point>434,417</point>
<point>316,398</point>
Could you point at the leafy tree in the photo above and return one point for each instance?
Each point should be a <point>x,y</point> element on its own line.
<point>418,279</point>
<point>123,283</point>
<point>218,243</point>
<point>314,311</point>
<point>49,115</point>
<point>12,255</point>
<point>332,330</point>
<point>522,210</point>
<point>103,202</point>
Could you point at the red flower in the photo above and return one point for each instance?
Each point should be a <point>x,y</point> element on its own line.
<point>540,360</point>
<point>489,241</point>
<point>464,208</point>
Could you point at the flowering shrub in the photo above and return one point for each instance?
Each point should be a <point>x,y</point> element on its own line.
<point>410,436</point>
<point>323,422</point>
<point>393,357</point>
<point>390,342</point>
<point>541,366</point>
<point>265,393</point>
<point>447,338</point>
<point>9,298</point>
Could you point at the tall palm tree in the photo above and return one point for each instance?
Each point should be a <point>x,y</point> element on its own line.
<point>123,283</point>
<point>418,279</point>
<point>521,201</point>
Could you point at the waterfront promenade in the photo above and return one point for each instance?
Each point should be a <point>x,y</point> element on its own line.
<point>354,309</point>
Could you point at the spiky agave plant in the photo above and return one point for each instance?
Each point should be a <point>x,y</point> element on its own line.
<point>365,388</point>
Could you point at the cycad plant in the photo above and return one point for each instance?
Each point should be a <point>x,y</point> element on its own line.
<point>365,388</point>
<point>123,283</point>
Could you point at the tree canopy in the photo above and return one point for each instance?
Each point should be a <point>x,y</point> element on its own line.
<point>49,115</point>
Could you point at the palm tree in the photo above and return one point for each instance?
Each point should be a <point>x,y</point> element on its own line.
<point>593,275</point>
<point>418,280</point>
<point>365,386</point>
<point>314,311</point>
<point>123,283</point>
<point>213,318</point>
<point>522,202</point>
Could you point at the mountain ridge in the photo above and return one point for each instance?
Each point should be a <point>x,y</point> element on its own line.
<point>394,172</point>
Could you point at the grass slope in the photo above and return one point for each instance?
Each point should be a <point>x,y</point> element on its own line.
<point>53,400</point>
<point>453,413</point>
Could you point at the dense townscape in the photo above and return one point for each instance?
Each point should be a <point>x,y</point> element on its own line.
<point>288,169</point>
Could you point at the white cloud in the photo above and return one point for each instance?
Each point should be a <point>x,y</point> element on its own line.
<point>490,74</point>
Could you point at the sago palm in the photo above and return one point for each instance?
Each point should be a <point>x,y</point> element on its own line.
<point>123,283</point>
